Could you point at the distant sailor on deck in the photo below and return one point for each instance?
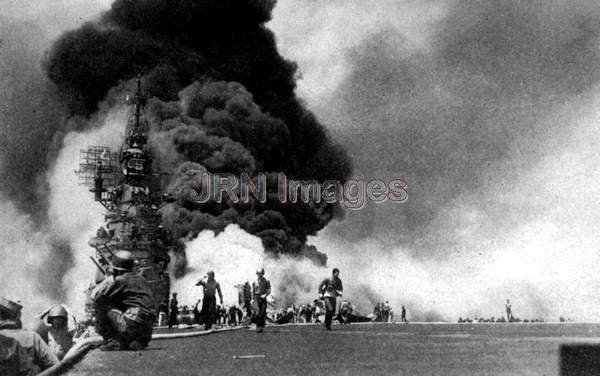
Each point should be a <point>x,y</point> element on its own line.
<point>509,316</point>
<point>124,307</point>
<point>163,312</point>
<point>403,318</point>
<point>173,310</point>
<point>330,289</point>
<point>209,302</point>
<point>261,288</point>
<point>247,297</point>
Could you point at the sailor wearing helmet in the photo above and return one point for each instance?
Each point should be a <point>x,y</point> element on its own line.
<point>261,288</point>
<point>60,335</point>
<point>209,303</point>
<point>124,306</point>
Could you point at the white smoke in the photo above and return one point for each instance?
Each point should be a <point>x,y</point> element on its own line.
<point>73,214</point>
<point>24,253</point>
<point>234,256</point>
<point>531,238</point>
<point>367,273</point>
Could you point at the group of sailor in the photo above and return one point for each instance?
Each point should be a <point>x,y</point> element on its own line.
<point>124,315</point>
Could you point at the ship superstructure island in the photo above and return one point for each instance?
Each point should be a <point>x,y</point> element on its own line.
<point>131,192</point>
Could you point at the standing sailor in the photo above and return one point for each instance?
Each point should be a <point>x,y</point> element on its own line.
<point>163,312</point>
<point>124,307</point>
<point>173,310</point>
<point>209,302</point>
<point>329,290</point>
<point>196,312</point>
<point>261,288</point>
<point>509,316</point>
<point>247,294</point>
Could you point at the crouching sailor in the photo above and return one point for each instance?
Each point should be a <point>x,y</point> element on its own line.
<point>35,347</point>
<point>124,307</point>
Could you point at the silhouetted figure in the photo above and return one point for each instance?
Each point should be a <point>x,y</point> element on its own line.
<point>261,288</point>
<point>173,310</point>
<point>247,292</point>
<point>209,311</point>
<point>509,315</point>
<point>403,315</point>
<point>330,289</point>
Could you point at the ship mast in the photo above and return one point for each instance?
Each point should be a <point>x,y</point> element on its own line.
<point>126,186</point>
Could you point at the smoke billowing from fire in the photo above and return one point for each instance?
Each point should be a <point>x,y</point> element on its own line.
<point>235,255</point>
<point>26,252</point>
<point>32,124</point>
<point>217,127</point>
<point>236,111</point>
<point>201,119</point>
<point>218,124</point>
<point>189,41</point>
<point>78,222</point>
<point>486,108</point>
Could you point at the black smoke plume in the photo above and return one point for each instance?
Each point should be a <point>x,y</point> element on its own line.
<point>223,101</point>
<point>216,127</point>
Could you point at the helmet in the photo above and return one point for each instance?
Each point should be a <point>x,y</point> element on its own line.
<point>122,260</point>
<point>335,270</point>
<point>210,273</point>
<point>260,271</point>
<point>57,311</point>
<point>10,306</point>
